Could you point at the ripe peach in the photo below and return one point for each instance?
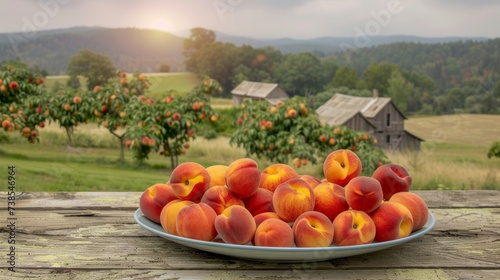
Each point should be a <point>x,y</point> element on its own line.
<point>330,199</point>
<point>313,229</point>
<point>168,215</point>
<point>235,225</point>
<point>273,233</point>
<point>363,193</point>
<point>154,198</point>
<point>353,227</point>
<point>220,198</point>
<point>341,166</point>
<point>261,201</point>
<point>196,221</point>
<point>243,177</point>
<point>189,181</point>
<point>217,175</point>
<point>311,180</point>
<point>276,174</point>
<point>393,178</point>
<point>417,206</point>
<point>392,221</point>
<point>259,218</point>
<point>292,198</point>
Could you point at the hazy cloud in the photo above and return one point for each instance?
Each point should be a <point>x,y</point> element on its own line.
<point>263,19</point>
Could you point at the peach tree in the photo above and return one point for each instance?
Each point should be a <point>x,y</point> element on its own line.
<point>166,126</point>
<point>291,131</point>
<point>111,100</point>
<point>69,108</point>
<point>21,101</point>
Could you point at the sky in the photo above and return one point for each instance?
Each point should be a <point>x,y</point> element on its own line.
<point>299,19</point>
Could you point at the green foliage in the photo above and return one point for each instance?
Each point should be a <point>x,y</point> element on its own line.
<point>345,77</point>
<point>168,125</point>
<point>69,109</point>
<point>292,131</point>
<point>96,67</point>
<point>377,76</point>
<point>399,91</point>
<point>20,93</point>
<point>298,74</point>
<point>111,106</point>
<point>494,150</point>
<point>198,39</point>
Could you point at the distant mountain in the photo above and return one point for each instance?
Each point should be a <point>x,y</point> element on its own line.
<point>329,45</point>
<point>129,49</point>
<point>133,49</point>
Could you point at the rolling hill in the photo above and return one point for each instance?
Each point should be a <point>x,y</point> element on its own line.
<point>133,49</point>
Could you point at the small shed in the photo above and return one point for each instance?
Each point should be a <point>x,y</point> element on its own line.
<point>258,91</point>
<point>377,115</point>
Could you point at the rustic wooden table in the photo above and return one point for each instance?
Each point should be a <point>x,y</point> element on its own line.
<point>94,236</point>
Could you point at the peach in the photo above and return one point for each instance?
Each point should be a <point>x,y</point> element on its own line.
<point>196,221</point>
<point>311,180</point>
<point>392,221</point>
<point>154,198</point>
<point>217,175</point>
<point>219,198</point>
<point>189,181</point>
<point>273,233</point>
<point>417,206</point>
<point>276,174</point>
<point>313,229</point>
<point>243,177</point>
<point>363,193</point>
<point>353,227</point>
<point>261,201</point>
<point>235,225</point>
<point>264,216</point>
<point>292,198</point>
<point>330,199</point>
<point>393,178</point>
<point>341,166</point>
<point>168,216</point>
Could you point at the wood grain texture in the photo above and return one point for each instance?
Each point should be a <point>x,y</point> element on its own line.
<point>94,236</point>
<point>283,274</point>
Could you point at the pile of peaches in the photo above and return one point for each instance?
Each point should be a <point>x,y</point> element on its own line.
<point>277,207</point>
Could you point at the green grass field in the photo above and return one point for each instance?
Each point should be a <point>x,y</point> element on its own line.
<point>50,166</point>
<point>162,84</point>
<point>452,157</point>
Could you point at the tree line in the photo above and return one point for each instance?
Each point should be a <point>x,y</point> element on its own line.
<point>458,77</point>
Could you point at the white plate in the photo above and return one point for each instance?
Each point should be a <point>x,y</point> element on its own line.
<point>273,254</point>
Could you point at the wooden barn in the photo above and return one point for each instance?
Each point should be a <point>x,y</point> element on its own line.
<point>258,91</point>
<point>377,115</point>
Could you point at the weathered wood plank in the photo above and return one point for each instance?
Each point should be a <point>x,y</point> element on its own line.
<point>55,274</point>
<point>130,200</point>
<point>110,239</point>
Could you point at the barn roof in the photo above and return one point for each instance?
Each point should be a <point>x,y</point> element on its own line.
<point>254,89</point>
<point>340,108</point>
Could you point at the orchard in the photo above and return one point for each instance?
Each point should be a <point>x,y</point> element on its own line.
<point>21,105</point>
<point>166,126</point>
<point>291,131</point>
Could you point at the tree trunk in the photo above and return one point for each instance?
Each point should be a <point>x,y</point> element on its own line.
<point>69,132</point>
<point>122,146</point>
<point>173,158</point>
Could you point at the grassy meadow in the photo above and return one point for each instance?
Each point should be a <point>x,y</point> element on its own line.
<point>452,157</point>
